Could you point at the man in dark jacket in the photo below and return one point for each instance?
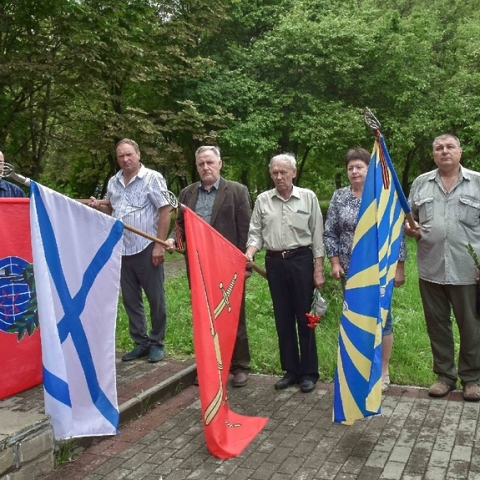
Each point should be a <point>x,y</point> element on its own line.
<point>226,206</point>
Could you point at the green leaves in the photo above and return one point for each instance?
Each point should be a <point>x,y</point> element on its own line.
<point>474,255</point>
<point>256,77</point>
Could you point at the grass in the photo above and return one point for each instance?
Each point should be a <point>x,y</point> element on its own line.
<point>65,452</point>
<point>411,360</point>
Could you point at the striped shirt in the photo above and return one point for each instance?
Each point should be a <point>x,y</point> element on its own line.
<point>137,205</point>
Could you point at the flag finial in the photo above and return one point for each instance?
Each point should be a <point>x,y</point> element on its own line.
<point>371,120</point>
<point>8,170</point>
<point>170,198</point>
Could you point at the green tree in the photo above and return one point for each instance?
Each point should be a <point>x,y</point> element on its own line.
<point>255,77</point>
<point>78,76</point>
<point>301,85</point>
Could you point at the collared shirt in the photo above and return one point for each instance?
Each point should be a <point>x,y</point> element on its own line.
<point>205,200</point>
<point>448,222</point>
<point>279,224</point>
<point>340,225</point>
<point>137,204</point>
<point>8,189</point>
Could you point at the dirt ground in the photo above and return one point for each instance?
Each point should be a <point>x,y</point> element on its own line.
<point>174,268</point>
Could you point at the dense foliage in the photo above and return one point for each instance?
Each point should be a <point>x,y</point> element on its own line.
<point>256,77</point>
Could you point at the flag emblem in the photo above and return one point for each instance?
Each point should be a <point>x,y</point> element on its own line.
<point>18,299</point>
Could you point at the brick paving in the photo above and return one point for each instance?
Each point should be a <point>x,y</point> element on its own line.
<point>133,378</point>
<point>416,437</point>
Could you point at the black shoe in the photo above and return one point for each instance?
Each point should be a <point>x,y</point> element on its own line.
<point>240,379</point>
<point>307,386</point>
<point>284,383</point>
<point>137,352</point>
<point>156,354</point>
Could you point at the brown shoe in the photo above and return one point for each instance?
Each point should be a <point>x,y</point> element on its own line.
<point>471,392</point>
<point>240,379</point>
<point>440,389</point>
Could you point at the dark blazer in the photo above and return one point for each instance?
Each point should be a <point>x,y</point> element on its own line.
<point>231,211</point>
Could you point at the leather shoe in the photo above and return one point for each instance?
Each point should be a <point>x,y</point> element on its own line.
<point>240,379</point>
<point>284,383</point>
<point>137,352</point>
<point>440,389</point>
<point>156,354</point>
<point>471,392</point>
<point>307,386</point>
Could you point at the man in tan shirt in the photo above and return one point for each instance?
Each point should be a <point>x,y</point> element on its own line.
<point>287,222</point>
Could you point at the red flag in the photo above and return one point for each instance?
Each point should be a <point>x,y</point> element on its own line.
<point>20,352</point>
<point>217,276</point>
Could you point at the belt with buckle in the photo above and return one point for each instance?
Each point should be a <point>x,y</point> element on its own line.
<point>286,253</point>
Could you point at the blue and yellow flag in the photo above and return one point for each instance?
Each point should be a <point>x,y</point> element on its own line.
<point>368,291</point>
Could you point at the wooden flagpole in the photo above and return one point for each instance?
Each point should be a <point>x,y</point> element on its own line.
<point>86,201</point>
<point>9,171</point>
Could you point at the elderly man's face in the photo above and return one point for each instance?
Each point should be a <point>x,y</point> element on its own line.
<point>208,166</point>
<point>282,175</point>
<point>1,163</point>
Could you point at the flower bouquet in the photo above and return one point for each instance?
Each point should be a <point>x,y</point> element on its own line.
<point>476,260</point>
<point>319,307</point>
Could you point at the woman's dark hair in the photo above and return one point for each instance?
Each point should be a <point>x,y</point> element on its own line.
<point>357,153</point>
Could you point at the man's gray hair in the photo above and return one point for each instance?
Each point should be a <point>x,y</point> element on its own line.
<point>283,157</point>
<point>208,148</point>
<point>444,136</point>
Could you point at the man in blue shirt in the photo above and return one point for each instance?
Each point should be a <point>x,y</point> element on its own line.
<point>8,189</point>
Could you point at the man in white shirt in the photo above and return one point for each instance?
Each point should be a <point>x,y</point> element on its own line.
<point>136,198</point>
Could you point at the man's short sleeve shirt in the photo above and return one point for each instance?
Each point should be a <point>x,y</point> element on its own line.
<point>137,205</point>
<point>448,222</point>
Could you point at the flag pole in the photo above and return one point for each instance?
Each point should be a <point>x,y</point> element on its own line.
<point>372,122</point>
<point>163,243</point>
<point>9,171</point>
<point>255,267</point>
